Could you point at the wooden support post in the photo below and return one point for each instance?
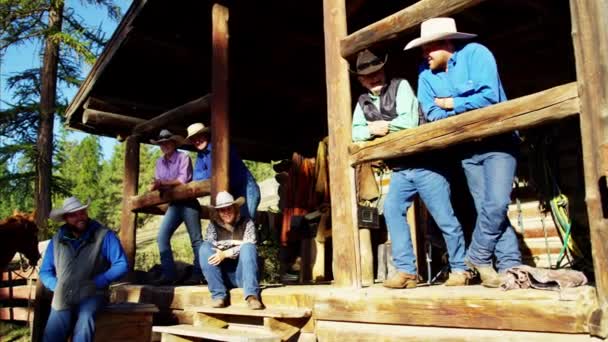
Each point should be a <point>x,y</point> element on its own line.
<point>590,38</point>
<point>367,257</point>
<point>220,124</point>
<point>128,222</point>
<point>346,256</point>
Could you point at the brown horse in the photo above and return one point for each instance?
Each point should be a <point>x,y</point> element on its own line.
<point>18,233</point>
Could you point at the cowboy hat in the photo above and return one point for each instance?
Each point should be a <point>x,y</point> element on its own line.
<point>70,205</point>
<point>196,128</point>
<point>224,199</point>
<point>436,29</point>
<point>368,63</point>
<point>166,135</point>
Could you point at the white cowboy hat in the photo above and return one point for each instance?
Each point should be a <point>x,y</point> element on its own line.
<point>70,205</point>
<point>437,29</point>
<point>224,199</point>
<point>166,135</point>
<point>196,128</point>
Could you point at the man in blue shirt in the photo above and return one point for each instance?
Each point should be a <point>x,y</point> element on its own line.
<point>242,182</point>
<point>79,264</point>
<point>390,106</point>
<point>458,76</point>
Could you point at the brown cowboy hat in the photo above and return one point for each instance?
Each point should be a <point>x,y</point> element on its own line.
<point>368,63</point>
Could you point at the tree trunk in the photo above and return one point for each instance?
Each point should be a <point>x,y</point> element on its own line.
<point>48,94</point>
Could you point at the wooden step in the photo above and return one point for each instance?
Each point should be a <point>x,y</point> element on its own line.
<point>185,330</point>
<point>236,310</point>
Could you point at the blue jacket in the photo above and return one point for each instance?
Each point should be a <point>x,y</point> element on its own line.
<point>239,173</point>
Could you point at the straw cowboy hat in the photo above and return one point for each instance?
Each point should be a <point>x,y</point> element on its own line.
<point>225,199</point>
<point>368,63</point>
<point>70,205</point>
<point>166,135</point>
<point>437,29</point>
<point>196,128</point>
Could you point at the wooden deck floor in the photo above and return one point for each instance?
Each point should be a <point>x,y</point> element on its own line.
<point>437,306</point>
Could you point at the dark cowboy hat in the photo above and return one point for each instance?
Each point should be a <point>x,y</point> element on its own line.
<point>166,135</point>
<point>368,63</point>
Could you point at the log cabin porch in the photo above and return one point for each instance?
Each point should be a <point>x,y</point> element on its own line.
<point>541,48</point>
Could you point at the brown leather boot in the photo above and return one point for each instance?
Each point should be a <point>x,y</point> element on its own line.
<point>459,278</point>
<point>219,303</point>
<point>254,303</point>
<point>489,276</point>
<point>401,280</point>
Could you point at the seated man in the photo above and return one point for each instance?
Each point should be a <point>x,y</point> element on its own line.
<point>81,260</point>
<point>458,76</point>
<point>242,182</point>
<point>389,107</point>
<point>228,255</point>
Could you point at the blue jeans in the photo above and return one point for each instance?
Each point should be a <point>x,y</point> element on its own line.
<point>59,326</point>
<point>490,179</point>
<point>251,191</point>
<point>434,190</point>
<point>231,273</point>
<point>175,215</point>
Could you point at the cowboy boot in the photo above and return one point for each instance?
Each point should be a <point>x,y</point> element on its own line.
<point>253,303</point>
<point>401,280</point>
<point>489,276</point>
<point>458,278</point>
<point>219,303</point>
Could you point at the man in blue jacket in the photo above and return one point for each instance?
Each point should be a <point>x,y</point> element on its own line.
<point>457,76</point>
<point>79,264</point>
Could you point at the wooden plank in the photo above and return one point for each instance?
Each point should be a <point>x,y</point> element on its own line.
<point>590,38</point>
<point>93,117</point>
<point>135,326</point>
<point>180,192</point>
<point>346,331</point>
<point>15,314</point>
<point>182,115</point>
<point>346,259</point>
<point>464,307</point>
<point>220,123</point>
<point>274,312</point>
<point>400,22</point>
<point>130,183</point>
<point>18,275</point>
<point>284,329</point>
<point>528,111</point>
<point>18,292</point>
<point>213,333</point>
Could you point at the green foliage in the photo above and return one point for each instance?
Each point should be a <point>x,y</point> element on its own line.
<point>260,171</point>
<point>14,332</point>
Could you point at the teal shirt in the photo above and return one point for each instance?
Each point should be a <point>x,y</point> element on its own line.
<point>407,113</point>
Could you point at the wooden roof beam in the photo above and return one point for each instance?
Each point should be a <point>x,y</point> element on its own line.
<point>190,111</point>
<point>400,22</point>
<point>532,110</point>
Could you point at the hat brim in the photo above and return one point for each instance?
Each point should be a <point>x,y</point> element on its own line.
<point>370,70</point>
<point>200,131</point>
<point>57,214</point>
<point>179,140</point>
<point>238,202</point>
<point>436,37</point>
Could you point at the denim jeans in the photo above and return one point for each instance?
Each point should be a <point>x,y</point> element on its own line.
<point>59,325</point>
<point>176,214</point>
<point>490,179</point>
<point>231,273</point>
<point>251,191</point>
<point>434,190</point>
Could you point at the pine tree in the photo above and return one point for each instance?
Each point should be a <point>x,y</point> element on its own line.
<point>66,42</point>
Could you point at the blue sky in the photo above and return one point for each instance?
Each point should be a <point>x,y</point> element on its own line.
<point>27,56</point>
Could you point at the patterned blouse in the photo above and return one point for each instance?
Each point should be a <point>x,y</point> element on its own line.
<point>228,240</point>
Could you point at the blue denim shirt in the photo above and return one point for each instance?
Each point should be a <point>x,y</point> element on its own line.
<point>110,249</point>
<point>238,171</point>
<point>472,80</point>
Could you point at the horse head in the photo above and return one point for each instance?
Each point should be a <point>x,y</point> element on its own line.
<point>27,242</point>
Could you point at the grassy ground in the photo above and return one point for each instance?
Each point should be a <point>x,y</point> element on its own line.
<point>14,332</point>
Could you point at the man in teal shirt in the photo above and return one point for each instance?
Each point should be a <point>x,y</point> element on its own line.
<point>390,107</point>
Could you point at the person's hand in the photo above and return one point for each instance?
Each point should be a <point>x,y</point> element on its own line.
<point>154,184</point>
<point>378,128</point>
<point>445,102</point>
<point>216,258</point>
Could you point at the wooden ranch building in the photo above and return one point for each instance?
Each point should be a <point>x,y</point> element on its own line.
<point>272,77</point>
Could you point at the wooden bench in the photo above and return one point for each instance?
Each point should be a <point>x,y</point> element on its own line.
<point>125,322</point>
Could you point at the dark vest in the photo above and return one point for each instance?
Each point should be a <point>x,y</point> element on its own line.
<point>76,268</point>
<point>388,103</point>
